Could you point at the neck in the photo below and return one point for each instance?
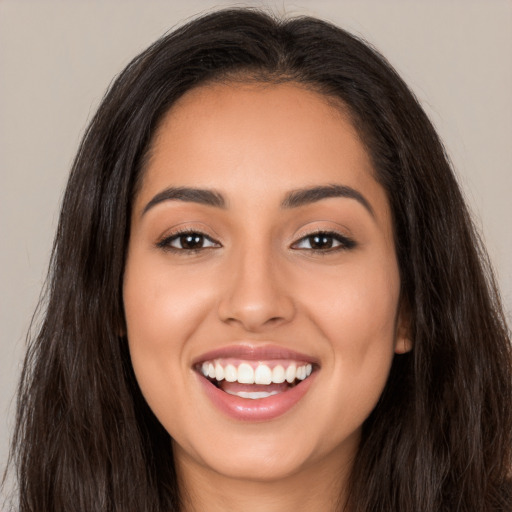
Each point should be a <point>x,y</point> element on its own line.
<point>317,487</point>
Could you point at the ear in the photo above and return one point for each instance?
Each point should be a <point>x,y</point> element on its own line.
<point>403,341</point>
<point>120,327</point>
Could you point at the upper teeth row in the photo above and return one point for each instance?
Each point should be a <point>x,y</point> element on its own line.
<point>245,374</point>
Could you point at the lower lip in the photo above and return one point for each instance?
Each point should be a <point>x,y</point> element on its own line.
<point>262,409</point>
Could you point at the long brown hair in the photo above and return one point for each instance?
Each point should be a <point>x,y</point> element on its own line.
<point>440,436</point>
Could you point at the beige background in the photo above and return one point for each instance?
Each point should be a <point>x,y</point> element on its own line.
<point>57,58</point>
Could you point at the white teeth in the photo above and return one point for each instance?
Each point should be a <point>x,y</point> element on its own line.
<point>230,373</point>
<point>245,374</point>
<point>254,395</point>
<point>219,372</point>
<point>291,373</point>
<point>263,375</point>
<point>278,374</point>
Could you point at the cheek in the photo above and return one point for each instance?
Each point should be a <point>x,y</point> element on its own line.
<point>162,310</point>
<point>162,307</point>
<point>356,311</point>
<point>359,300</point>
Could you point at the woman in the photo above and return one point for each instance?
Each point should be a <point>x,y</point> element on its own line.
<point>266,294</point>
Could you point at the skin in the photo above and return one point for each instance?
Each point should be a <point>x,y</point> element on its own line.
<point>260,282</point>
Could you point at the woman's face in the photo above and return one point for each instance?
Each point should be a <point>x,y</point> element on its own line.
<point>261,248</point>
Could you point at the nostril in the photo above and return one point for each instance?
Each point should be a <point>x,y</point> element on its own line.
<point>254,323</point>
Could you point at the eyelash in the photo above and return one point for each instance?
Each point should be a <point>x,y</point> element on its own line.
<point>165,243</point>
<point>344,243</point>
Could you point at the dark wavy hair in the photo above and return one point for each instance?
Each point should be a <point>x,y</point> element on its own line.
<point>440,436</point>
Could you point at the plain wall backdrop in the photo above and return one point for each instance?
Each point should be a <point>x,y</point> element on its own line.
<point>58,58</point>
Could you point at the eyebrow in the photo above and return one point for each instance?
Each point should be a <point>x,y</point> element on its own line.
<point>294,199</point>
<point>188,194</point>
<point>305,196</point>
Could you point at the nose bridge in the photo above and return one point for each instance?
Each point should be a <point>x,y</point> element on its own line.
<point>255,295</point>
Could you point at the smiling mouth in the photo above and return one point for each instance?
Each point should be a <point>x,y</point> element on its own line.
<point>254,380</point>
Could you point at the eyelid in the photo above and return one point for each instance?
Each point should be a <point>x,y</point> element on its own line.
<point>345,242</point>
<point>164,241</point>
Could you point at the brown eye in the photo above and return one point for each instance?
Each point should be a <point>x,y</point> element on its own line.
<point>324,242</point>
<point>321,241</point>
<point>190,241</point>
<point>187,241</point>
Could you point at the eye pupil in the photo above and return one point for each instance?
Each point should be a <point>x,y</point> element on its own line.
<point>321,241</point>
<point>191,241</point>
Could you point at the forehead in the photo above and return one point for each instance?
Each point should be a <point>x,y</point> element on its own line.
<point>258,140</point>
<point>221,113</point>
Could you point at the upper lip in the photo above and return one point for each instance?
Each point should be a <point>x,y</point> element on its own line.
<point>251,352</point>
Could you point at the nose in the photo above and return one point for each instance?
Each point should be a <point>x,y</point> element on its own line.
<point>255,294</point>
